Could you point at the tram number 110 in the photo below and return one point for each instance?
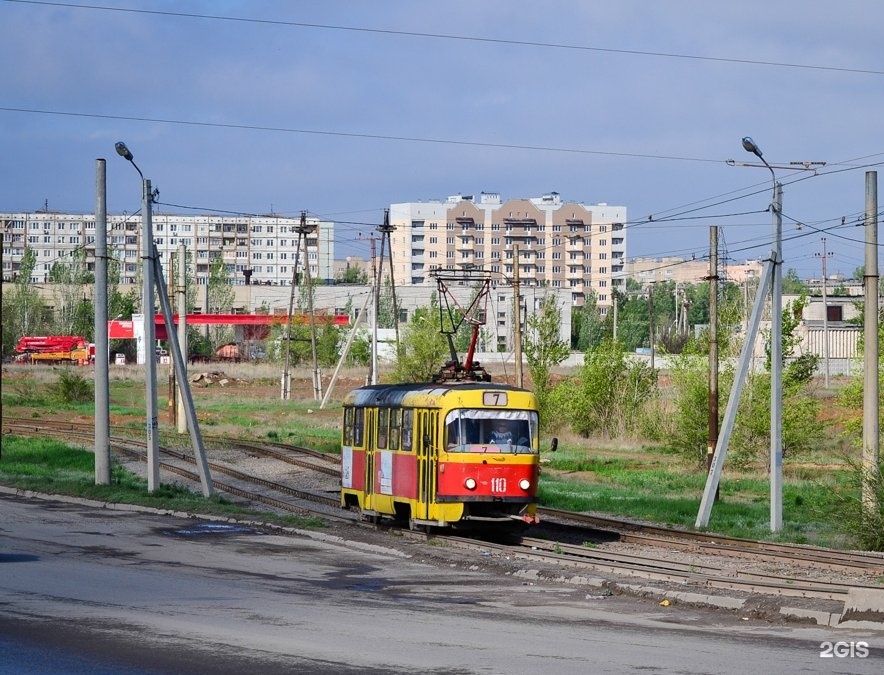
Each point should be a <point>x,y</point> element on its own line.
<point>498,485</point>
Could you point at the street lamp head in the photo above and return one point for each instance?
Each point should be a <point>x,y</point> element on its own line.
<point>750,146</point>
<point>123,151</point>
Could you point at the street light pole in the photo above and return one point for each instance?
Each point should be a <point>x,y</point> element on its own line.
<point>776,348</point>
<point>147,309</point>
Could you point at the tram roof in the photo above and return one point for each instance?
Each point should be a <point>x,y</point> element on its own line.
<point>396,394</point>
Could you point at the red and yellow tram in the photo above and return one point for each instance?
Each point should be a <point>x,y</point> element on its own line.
<point>435,455</point>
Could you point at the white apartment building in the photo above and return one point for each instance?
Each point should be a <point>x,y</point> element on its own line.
<point>681,271</point>
<point>256,249</point>
<point>564,245</point>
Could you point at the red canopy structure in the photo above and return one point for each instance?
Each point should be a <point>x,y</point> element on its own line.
<point>255,326</point>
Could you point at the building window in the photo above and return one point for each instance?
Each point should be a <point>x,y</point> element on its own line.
<point>834,313</point>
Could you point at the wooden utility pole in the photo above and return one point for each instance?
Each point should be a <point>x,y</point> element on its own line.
<point>713,350</point>
<point>386,230</point>
<point>517,317</point>
<point>615,298</point>
<point>181,416</point>
<point>824,256</point>
<point>303,230</point>
<point>286,387</point>
<point>373,374</point>
<point>651,321</point>
<point>871,397</point>
<point>173,382</point>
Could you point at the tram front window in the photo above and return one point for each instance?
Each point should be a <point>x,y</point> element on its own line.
<point>491,431</point>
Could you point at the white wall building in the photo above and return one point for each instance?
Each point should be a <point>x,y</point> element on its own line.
<point>262,248</point>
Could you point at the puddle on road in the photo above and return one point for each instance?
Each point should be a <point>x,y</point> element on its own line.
<point>207,529</point>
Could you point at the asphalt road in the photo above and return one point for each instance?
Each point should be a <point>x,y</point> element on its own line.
<point>86,590</point>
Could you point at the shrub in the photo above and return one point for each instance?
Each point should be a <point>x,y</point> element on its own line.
<point>608,395</point>
<point>863,521</point>
<point>72,387</point>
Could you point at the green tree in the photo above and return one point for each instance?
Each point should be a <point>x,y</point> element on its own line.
<point>543,348</point>
<point>387,313</point>
<point>73,309</point>
<point>221,298</point>
<point>119,305</point>
<point>792,284</point>
<point>684,424</point>
<point>352,275</point>
<point>588,328</point>
<point>423,349</point>
<point>791,319</point>
<point>23,310</point>
<point>632,322</point>
<point>608,395</point>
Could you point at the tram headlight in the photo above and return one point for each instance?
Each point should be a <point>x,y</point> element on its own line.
<point>470,483</point>
<point>524,483</point>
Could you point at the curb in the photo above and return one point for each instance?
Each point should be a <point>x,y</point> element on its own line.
<point>133,508</point>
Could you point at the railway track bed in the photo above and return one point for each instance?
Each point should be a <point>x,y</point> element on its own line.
<point>606,554</point>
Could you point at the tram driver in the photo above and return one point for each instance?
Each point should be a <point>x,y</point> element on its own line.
<point>501,434</point>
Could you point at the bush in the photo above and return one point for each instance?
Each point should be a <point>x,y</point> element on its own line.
<point>863,522</point>
<point>72,387</point>
<point>608,395</point>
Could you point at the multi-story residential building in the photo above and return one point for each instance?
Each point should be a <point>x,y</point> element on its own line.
<point>256,249</point>
<point>564,245</point>
<point>679,270</point>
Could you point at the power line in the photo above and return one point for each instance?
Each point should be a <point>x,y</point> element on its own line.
<point>346,134</point>
<point>454,37</point>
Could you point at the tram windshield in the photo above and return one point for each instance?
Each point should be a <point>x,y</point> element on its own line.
<point>505,431</point>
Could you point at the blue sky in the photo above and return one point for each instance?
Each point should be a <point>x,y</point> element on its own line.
<point>633,102</point>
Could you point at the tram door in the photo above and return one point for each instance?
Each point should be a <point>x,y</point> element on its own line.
<point>425,435</point>
<point>369,424</point>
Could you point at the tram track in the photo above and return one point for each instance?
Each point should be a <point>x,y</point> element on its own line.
<point>250,487</point>
<point>694,570</point>
<point>713,544</point>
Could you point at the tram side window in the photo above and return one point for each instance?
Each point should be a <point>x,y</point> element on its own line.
<point>348,426</point>
<point>358,426</point>
<point>407,429</point>
<point>383,416</point>
<point>394,428</point>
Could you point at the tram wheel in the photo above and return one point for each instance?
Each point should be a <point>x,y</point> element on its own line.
<point>415,527</point>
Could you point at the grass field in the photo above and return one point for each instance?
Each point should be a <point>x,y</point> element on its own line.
<point>626,480</point>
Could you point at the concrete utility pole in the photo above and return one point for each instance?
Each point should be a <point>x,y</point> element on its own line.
<point>349,343</point>
<point>772,276</point>
<point>733,400</point>
<point>517,317</point>
<point>824,256</point>
<point>196,438</point>
<point>102,354</point>
<point>871,410</point>
<point>149,317</point>
<point>776,348</point>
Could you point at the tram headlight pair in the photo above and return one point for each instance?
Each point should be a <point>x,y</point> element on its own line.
<point>524,483</point>
<point>470,483</point>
